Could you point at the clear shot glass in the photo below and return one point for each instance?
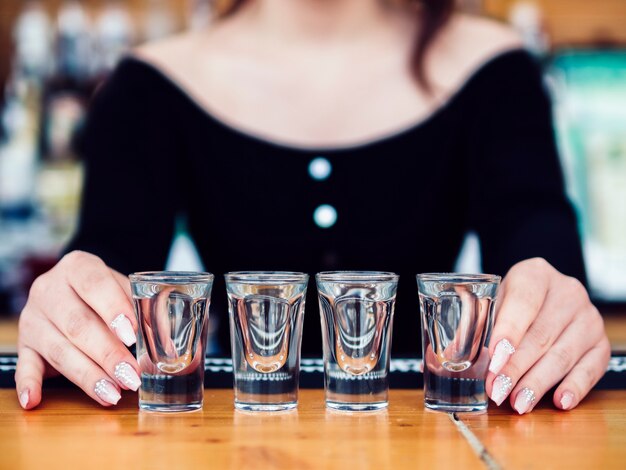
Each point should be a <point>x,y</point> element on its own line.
<point>172,309</point>
<point>266,311</point>
<point>356,309</point>
<point>457,315</point>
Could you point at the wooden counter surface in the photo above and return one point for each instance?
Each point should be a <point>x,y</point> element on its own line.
<point>70,431</point>
<point>592,436</point>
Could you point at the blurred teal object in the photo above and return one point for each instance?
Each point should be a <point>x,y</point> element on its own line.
<point>589,91</point>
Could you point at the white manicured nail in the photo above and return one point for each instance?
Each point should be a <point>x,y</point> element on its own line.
<point>24,397</point>
<point>125,373</point>
<point>524,401</point>
<point>501,355</point>
<point>502,386</point>
<point>123,328</point>
<point>566,400</point>
<point>107,392</point>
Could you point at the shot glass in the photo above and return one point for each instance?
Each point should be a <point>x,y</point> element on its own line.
<point>172,309</point>
<point>356,309</point>
<point>266,311</point>
<point>457,315</point>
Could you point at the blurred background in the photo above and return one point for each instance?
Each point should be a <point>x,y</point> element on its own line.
<point>55,53</point>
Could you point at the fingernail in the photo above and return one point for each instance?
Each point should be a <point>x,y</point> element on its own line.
<point>125,373</point>
<point>501,355</point>
<point>525,399</point>
<point>124,329</point>
<point>502,386</point>
<point>24,397</point>
<point>107,392</point>
<point>566,400</point>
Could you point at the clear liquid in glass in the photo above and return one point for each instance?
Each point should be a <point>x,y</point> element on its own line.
<point>456,326</point>
<point>357,321</point>
<point>171,345</point>
<point>266,334</point>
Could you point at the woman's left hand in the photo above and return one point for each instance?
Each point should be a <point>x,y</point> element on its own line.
<point>546,332</point>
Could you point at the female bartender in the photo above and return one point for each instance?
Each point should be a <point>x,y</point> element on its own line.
<point>316,135</point>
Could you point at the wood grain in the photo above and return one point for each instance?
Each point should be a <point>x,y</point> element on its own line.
<point>69,430</point>
<point>592,436</point>
<point>615,325</point>
<point>8,335</point>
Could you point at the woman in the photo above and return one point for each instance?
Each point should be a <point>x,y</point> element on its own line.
<point>312,136</point>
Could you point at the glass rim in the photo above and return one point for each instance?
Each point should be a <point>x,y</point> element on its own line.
<point>266,277</point>
<point>172,277</point>
<point>356,276</point>
<point>459,278</point>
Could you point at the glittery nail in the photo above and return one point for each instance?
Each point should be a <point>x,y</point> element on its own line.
<point>24,398</point>
<point>524,401</point>
<point>566,400</point>
<point>123,328</point>
<point>504,349</point>
<point>127,375</point>
<point>107,391</point>
<point>502,386</point>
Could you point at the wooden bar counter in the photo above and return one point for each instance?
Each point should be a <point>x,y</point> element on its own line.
<point>68,430</point>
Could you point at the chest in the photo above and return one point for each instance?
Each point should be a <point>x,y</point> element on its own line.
<point>316,103</point>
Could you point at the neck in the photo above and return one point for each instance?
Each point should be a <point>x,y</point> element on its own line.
<point>318,19</point>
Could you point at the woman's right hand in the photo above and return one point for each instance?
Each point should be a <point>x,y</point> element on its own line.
<point>77,322</point>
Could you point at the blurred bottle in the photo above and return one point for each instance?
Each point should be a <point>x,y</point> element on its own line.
<point>527,18</point>
<point>60,174</point>
<point>18,153</point>
<point>114,35</point>
<point>21,115</point>
<point>32,38</point>
<point>17,176</point>
<point>21,121</point>
<point>73,44</point>
<point>158,20</point>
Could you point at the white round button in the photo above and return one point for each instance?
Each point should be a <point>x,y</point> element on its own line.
<point>320,168</point>
<point>325,216</point>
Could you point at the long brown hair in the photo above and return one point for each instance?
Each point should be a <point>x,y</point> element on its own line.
<point>432,16</point>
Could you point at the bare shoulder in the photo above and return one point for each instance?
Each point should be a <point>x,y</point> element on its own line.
<point>482,35</point>
<point>465,45</point>
<point>189,59</point>
<point>169,54</point>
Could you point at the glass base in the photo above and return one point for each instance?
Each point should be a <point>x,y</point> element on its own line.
<point>265,406</point>
<point>456,407</point>
<point>342,406</point>
<point>170,407</point>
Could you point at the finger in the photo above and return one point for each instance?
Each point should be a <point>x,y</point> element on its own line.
<point>74,364</point>
<point>521,296</point>
<point>578,338</point>
<point>87,332</point>
<point>95,283</point>
<point>29,377</point>
<point>123,282</point>
<point>551,322</point>
<point>583,377</point>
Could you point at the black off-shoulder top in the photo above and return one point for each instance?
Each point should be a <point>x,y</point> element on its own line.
<point>486,161</point>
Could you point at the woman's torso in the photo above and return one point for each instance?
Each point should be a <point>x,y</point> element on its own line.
<point>397,183</point>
